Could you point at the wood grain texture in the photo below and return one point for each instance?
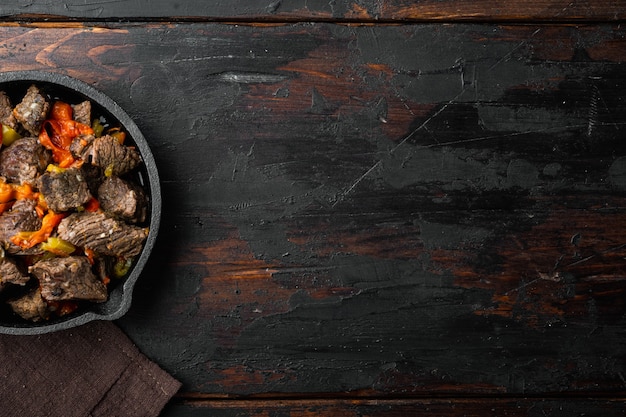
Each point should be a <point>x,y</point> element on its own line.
<point>342,216</point>
<point>318,10</point>
<point>478,407</point>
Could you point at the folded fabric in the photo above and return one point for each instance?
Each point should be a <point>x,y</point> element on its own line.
<point>91,371</point>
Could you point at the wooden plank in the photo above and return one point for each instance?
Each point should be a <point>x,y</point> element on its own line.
<point>384,211</point>
<point>479,407</point>
<point>296,10</point>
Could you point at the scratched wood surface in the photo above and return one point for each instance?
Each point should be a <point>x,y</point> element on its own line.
<point>452,407</point>
<point>319,10</point>
<point>373,219</point>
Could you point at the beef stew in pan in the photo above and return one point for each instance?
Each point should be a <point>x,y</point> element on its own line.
<point>74,213</point>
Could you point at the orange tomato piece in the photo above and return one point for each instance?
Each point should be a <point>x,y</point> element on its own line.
<point>61,111</point>
<point>59,131</point>
<point>49,222</point>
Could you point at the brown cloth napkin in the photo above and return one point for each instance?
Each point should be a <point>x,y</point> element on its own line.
<point>90,371</point>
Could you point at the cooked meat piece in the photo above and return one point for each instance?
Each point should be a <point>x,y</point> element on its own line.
<point>123,199</point>
<point>31,306</point>
<point>93,177</point>
<point>102,234</point>
<point>24,160</point>
<point>6,111</point>
<point>32,110</point>
<point>78,145</point>
<point>107,153</point>
<point>68,278</point>
<point>64,190</point>
<point>10,273</point>
<point>21,218</point>
<point>82,112</point>
<point>102,266</point>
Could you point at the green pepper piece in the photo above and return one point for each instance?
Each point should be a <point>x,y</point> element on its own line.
<point>97,127</point>
<point>122,266</point>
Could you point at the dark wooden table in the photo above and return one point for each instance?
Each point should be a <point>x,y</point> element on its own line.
<point>380,208</point>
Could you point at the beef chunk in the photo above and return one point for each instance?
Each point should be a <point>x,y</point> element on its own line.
<point>123,199</point>
<point>107,153</point>
<point>102,266</point>
<point>6,111</point>
<point>82,112</point>
<point>32,110</point>
<point>21,218</point>
<point>31,306</point>
<point>93,176</point>
<point>10,273</point>
<point>24,160</point>
<point>68,278</point>
<point>102,234</point>
<point>78,145</point>
<point>64,190</point>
